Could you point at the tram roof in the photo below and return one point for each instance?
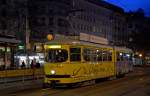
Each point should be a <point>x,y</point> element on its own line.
<point>66,41</point>
<point>78,42</point>
<point>122,49</point>
<point>95,44</point>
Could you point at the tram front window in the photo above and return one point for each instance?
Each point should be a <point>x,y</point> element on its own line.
<point>57,55</point>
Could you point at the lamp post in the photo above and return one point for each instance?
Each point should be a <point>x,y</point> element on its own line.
<point>140,55</point>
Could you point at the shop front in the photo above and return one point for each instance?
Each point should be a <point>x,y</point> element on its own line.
<point>28,58</point>
<point>7,49</point>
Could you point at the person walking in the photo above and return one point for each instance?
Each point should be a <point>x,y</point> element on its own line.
<point>23,64</point>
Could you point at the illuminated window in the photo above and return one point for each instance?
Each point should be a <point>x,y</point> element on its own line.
<point>57,55</point>
<point>75,54</point>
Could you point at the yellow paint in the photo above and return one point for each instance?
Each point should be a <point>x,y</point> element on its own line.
<point>81,71</point>
<point>54,46</point>
<point>21,72</point>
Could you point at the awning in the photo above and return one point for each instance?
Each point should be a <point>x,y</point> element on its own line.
<point>7,40</point>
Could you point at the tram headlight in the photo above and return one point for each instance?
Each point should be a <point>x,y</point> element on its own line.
<point>53,72</point>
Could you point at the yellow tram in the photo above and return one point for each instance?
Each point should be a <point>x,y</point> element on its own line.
<point>72,62</point>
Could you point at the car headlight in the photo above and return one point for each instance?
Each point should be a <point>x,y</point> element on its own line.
<point>53,72</point>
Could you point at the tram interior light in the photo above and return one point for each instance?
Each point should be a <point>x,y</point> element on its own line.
<point>75,42</point>
<point>128,55</point>
<point>121,54</point>
<point>54,46</point>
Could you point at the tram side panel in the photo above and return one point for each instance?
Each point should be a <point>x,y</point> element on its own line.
<point>77,72</point>
<point>123,62</point>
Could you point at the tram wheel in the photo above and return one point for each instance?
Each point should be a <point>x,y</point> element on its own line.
<point>46,85</point>
<point>74,85</point>
<point>120,75</point>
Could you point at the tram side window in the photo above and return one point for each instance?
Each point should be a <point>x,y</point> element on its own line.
<point>75,54</point>
<point>57,55</point>
<point>125,57</point>
<point>99,53</point>
<point>104,55</point>
<point>86,54</point>
<point>2,64</point>
<point>109,55</point>
<point>119,56</point>
<point>128,57</point>
<point>131,56</point>
<point>94,56</point>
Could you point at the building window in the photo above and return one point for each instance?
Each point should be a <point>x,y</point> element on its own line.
<point>51,21</point>
<point>3,25</point>
<point>3,13</point>
<point>3,1</point>
<point>74,26</point>
<point>41,21</point>
<point>51,11</point>
<point>51,31</point>
<point>62,23</point>
<point>130,26</point>
<point>42,9</point>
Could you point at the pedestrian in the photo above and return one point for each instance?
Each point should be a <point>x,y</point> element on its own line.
<point>37,65</point>
<point>32,65</point>
<point>23,64</point>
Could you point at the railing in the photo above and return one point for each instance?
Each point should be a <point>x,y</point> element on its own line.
<point>21,78</point>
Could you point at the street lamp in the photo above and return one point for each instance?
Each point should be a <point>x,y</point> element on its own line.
<point>140,55</point>
<point>50,37</point>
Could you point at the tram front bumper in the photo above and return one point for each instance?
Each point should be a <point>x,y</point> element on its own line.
<point>58,79</point>
<point>65,80</point>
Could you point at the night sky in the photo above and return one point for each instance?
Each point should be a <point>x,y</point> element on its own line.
<point>132,5</point>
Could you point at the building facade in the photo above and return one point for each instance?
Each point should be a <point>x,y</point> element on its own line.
<point>72,17</point>
<point>101,19</point>
<point>7,34</point>
<point>48,17</point>
<point>32,20</point>
<point>138,29</point>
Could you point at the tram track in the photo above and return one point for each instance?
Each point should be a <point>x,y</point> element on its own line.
<point>104,86</point>
<point>39,92</point>
<point>115,85</point>
<point>94,89</point>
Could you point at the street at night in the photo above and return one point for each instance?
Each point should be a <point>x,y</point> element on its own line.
<point>135,83</point>
<point>74,48</point>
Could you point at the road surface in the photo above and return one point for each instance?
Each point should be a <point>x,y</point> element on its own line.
<point>135,83</point>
